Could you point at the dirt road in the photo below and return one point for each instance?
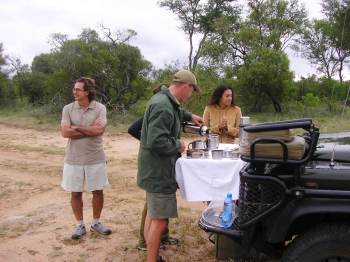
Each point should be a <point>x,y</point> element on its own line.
<point>35,216</point>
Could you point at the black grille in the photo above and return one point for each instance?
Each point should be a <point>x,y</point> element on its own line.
<point>258,196</point>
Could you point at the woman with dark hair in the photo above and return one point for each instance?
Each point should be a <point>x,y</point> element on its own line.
<point>222,116</point>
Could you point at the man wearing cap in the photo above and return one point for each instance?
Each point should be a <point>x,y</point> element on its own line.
<point>159,147</point>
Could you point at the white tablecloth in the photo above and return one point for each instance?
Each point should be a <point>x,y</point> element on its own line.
<point>208,179</point>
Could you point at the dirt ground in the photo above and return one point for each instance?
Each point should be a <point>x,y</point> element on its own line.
<point>36,220</point>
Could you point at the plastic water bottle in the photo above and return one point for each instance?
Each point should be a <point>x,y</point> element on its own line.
<point>227,214</point>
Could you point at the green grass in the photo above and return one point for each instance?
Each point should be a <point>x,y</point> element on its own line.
<point>327,123</point>
<point>38,119</point>
<point>29,117</point>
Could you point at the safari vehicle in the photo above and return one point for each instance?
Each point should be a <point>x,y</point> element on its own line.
<point>291,209</point>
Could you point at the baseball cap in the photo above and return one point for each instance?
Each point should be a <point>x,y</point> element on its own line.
<point>187,77</point>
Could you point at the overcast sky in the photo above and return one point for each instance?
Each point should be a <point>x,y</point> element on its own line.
<point>26,26</point>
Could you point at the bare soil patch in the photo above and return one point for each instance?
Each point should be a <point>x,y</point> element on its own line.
<point>35,215</point>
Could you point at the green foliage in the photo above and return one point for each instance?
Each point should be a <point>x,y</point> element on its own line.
<point>268,24</point>
<point>24,115</point>
<point>337,14</point>
<point>276,21</point>
<point>6,90</point>
<point>331,92</point>
<point>118,68</point>
<point>245,52</point>
<point>34,88</point>
<point>6,96</point>
<point>311,100</point>
<point>198,21</point>
<point>43,63</point>
<point>317,46</point>
<point>264,77</point>
<point>207,80</point>
<point>140,107</point>
<point>323,119</point>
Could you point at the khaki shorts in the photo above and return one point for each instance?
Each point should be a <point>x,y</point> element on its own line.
<point>161,206</point>
<point>94,176</point>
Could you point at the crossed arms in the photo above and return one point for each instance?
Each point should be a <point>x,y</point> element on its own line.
<point>75,132</point>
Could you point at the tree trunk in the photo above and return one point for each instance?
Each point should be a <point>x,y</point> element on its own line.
<point>190,53</point>
<point>276,105</point>
<point>340,71</point>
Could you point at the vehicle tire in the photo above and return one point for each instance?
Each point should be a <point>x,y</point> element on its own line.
<point>323,243</point>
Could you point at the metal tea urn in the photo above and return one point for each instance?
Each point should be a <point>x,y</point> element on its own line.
<point>244,121</point>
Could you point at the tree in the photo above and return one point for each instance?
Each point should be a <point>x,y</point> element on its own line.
<point>57,40</point>
<point>265,76</point>
<point>43,63</point>
<point>119,69</point>
<point>4,81</point>
<point>197,20</point>
<point>269,24</point>
<point>228,46</point>
<point>119,36</point>
<point>337,13</point>
<point>2,56</point>
<point>317,47</point>
<point>21,72</point>
<point>276,22</point>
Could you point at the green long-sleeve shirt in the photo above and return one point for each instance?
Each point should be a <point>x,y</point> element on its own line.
<point>160,142</point>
